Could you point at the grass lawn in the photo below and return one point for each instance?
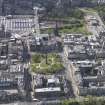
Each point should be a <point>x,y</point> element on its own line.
<point>73,26</point>
<point>76,30</point>
<point>53,64</point>
<point>89,100</point>
<point>88,10</point>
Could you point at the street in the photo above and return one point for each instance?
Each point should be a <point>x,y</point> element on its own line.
<point>95,30</point>
<point>54,102</point>
<point>70,71</point>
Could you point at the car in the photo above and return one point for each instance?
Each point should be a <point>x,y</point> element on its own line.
<point>35,100</point>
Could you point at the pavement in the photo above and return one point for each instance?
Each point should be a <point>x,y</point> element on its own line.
<point>53,102</point>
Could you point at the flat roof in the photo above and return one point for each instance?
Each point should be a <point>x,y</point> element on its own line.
<point>85,61</point>
<point>74,34</point>
<point>50,89</point>
<point>12,91</point>
<point>40,36</point>
<point>53,80</point>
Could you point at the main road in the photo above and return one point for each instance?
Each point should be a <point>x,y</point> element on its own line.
<point>70,70</point>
